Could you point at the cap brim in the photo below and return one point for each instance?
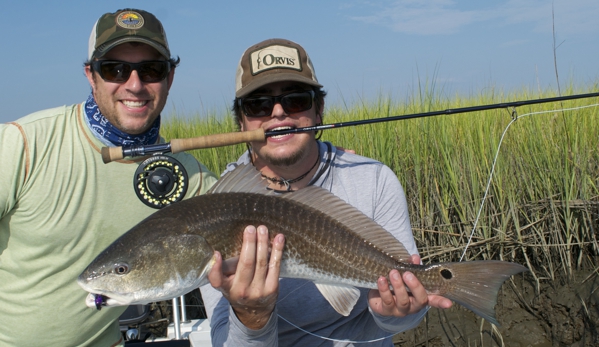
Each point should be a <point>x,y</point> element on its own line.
<point>277,77</point>
<point>99,52</point>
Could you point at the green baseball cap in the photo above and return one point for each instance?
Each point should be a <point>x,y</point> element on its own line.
<point>127,25</point>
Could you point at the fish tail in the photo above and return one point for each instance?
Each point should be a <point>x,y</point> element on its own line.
<point>475,284</point>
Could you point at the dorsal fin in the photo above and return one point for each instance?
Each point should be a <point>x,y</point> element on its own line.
<point>246,179</point>
<point>346,214</point>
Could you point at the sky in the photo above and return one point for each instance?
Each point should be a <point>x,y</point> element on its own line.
<point>361,50</point>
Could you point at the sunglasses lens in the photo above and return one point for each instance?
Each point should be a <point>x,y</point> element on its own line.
<point>259,106</point>
<point>119,72</point>
<point>296,102</point>
<point>262,106</point>
<point>152,71</point>
<point>115,71</point>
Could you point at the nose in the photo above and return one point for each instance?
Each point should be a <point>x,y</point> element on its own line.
<point>277,110</point>
<point>134,82</point>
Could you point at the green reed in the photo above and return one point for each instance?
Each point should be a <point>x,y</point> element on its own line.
<point>542,206</point>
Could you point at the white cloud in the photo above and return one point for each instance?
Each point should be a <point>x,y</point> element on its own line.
<point>569,16</point>
<point>439,17</point>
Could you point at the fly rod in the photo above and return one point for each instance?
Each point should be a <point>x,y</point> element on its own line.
<point>218,140</point>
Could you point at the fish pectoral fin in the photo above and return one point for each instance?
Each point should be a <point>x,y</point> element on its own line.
<point>341,297</point>
<point>229,267</point>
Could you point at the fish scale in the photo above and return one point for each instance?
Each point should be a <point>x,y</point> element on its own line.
<point>318,237</point>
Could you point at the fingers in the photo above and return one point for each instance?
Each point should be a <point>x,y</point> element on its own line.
<point>416,259</point>
<point>254,275</point>
<point>274,266</point>
<point>433,300</point>
<point>215,276</point>
<point>345,150</point>
<point>247,257</point>
<point>262,253</point>
<point>386,296</point>
<point>401,301</point>
<point>439,301</point>
<point>418,296</point>
<point>253,290</point>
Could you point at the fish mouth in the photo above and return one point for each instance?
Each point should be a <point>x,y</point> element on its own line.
<point>99,298</point>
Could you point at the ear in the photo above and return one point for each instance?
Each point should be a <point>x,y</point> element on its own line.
<point>171,77</point>
<point>319,113</point>
<point>89,74</point>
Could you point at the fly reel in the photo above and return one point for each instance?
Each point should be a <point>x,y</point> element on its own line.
<point>160,181</point>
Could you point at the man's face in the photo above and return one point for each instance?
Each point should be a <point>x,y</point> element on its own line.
<point>283,150</point>
<point>131,106</point>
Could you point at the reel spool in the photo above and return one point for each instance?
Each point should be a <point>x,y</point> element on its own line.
<point>160,181</point>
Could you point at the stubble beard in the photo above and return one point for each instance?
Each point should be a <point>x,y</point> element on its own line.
<point>289,160</point>
<point>106,101</point>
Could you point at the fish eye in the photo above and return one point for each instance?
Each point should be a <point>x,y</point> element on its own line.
<point>121,269</point>
<point>446,274</point>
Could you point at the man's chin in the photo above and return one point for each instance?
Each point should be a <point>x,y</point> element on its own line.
<point>134,126</point>
<point>283,160</point>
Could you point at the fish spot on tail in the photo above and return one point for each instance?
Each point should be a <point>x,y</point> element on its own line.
<point>445,273</point>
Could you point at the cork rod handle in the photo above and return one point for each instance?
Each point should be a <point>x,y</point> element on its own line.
<point>216,140</point>
<point>110,154</point>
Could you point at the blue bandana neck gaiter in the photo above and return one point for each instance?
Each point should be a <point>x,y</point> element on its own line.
<point>109,135</point>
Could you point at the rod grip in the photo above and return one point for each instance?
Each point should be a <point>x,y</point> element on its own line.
<point>217,140</point>
<point>111,154</point>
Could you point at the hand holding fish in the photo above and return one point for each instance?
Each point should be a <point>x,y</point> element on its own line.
<point>400,302</point>
<point>253,289</point>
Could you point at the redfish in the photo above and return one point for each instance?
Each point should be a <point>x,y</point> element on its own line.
<point>327,241</point>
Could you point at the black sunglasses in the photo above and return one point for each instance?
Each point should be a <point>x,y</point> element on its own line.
<point>119,71</point>
<point>262,106</point>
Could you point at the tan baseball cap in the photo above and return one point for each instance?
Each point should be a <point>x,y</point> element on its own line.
<point>127,25</point>
<point>273,60</point>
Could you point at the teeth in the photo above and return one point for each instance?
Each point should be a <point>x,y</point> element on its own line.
<point>280,128</point>
<point>129,103</point>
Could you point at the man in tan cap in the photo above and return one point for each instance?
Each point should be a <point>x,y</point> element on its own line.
<point>277,89</point>
<point>60,205</point>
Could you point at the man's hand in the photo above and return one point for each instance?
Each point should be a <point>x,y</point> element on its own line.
<point>403,303</point>
<point>345,150</point>
<point>253,288</point>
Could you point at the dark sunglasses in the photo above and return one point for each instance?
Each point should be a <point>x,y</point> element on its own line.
<point>262,106</point>
<point>119,71</point>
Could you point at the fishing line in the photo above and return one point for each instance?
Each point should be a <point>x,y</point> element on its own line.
<point>495,161</point>
<point>330,339</point>
<point>319,336</point>
<point>293,291</point>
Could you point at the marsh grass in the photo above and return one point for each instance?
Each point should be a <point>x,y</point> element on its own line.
<point>542,206</point>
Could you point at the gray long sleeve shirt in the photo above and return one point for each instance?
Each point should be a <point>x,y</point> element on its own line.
<point>302,317</point>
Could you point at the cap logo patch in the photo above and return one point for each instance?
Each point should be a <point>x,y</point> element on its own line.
<point>130,20</point>
<point>275,57</point>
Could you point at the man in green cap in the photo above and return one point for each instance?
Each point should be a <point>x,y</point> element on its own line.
<point>60,205</point>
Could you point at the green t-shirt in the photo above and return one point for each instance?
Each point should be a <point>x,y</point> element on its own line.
<point>60,206</point>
